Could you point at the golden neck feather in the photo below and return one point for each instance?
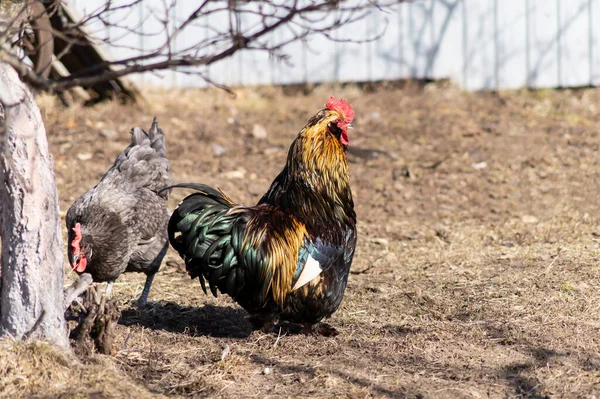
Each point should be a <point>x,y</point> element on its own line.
<point>317,163</point>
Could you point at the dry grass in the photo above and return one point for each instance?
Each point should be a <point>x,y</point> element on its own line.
<point>476,273</point>
<point>31,369</point>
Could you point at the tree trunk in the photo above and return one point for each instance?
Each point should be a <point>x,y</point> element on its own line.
<point>31,303</point>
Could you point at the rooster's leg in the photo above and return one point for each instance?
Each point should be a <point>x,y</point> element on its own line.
<point>144,297</point>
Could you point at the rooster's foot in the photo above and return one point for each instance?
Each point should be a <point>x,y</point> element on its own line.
<point>323,329</point>
<point>266,326</point>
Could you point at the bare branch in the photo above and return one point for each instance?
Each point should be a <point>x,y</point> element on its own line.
<point>248,26</point>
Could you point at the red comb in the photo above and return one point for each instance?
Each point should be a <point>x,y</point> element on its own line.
<point>342,107</point>
<point>347,112</point>
<point>77,239</point>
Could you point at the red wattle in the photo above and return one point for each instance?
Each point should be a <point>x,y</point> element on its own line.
<point>344,137</point>
<point>80,267</point>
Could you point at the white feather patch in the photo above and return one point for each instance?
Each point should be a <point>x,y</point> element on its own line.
<point>312,269</point>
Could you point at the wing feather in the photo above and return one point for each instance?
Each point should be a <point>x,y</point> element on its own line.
<point>315,257</point>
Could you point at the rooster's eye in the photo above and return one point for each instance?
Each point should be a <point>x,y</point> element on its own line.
<point>334,129</point>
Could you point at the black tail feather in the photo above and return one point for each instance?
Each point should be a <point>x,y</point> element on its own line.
<point>208,238</point>
<point>202,189</point>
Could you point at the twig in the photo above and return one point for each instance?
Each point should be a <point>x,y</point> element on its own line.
<point>299,19</point>
<point>279,336</point>
<point>553,261</point>
<point>435,165</point>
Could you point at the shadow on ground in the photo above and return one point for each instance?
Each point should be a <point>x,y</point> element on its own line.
<point>521,374</point>
<point>209,320</point>
<point>302,373</point>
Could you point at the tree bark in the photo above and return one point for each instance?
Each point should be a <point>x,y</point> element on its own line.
<point>31,302</point>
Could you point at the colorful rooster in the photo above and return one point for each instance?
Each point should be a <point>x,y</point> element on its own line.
<point>288,257</point>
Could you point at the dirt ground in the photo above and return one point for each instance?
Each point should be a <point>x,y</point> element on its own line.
<point>477,268</point>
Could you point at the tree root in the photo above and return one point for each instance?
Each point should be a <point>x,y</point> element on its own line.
<point>76,289</point>
<point>97,325</point>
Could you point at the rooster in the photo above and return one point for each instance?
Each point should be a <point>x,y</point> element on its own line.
<point>286,259</point>
<point>120,225</point>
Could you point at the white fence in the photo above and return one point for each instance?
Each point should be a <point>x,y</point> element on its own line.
<point>479,44</point>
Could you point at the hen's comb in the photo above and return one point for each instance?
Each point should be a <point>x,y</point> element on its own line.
<point>77,239</point>
<point>342,107</point>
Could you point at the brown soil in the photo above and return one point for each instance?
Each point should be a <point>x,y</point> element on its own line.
<point>476,272</point>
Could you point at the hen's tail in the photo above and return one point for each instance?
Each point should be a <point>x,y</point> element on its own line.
<point>157,138</point>
<point>144,162</point>
<point>154,138</point>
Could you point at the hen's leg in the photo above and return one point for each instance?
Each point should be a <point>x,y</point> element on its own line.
<point>144,297</point>
<point>152,269</point>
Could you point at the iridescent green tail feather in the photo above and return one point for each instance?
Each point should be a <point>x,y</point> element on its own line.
<point>209,239</point>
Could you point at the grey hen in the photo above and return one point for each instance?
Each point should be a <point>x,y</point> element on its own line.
<point>120,225</point>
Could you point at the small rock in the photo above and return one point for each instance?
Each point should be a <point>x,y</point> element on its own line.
<point>381,241</point>
<point>218,150</point>
<point>226,352</point>
<point>108,133</point>
<point>402,172</point>
<point>84,156</point>
<point>235,174</point>
<point>178,122</point>
<point>94,124</point>
<point>231,120</point>
<point>267,371</point>
<point>272,150</point>
<point>480,165</point>
<point>259,132</point>
<point>529,219</point>
<point>476,394</point>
